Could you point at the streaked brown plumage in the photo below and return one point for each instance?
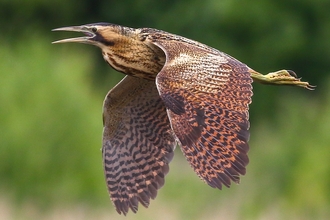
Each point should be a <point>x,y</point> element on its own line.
<point>176,91</point>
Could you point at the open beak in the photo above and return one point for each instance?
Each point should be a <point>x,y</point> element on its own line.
<point>86,39</point>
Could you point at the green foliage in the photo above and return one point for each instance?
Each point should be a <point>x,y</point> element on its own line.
<point>50,124</point>
<point>51,104</point>
<point>289,158</point>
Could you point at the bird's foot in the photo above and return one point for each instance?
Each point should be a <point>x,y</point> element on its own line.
<point>281,77</point>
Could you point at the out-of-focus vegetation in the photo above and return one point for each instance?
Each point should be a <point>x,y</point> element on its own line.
<point>51,103</point>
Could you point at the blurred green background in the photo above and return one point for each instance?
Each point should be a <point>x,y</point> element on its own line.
<point>51,105</point>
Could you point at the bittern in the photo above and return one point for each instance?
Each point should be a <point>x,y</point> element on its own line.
<point>177,91</point>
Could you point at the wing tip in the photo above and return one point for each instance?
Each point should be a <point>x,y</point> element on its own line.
<point>123,205</point>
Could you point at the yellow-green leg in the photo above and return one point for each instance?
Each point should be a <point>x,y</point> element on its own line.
<point>281,77</point>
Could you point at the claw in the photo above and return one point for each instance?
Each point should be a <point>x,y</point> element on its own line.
<point>292,73</point>
<point>310,87</point>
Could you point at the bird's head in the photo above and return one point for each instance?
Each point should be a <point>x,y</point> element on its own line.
<point>122,47</point>
<point>98,34</point>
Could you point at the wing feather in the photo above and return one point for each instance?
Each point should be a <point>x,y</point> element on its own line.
<point>137,143</point>
<point>207,95</point>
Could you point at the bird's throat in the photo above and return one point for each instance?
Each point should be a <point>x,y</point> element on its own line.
<point>135,58</point>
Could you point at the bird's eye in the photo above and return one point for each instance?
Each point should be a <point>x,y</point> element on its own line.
<point>94,29</point>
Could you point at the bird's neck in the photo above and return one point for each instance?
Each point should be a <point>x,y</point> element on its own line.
<point>134,57</point>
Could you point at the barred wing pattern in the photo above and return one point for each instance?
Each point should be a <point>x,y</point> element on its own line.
<point>137,143</point>
<point>207,94</point>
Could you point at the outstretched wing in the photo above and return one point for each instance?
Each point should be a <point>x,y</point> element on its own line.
<point>137,143</point>
<point>207,95</point>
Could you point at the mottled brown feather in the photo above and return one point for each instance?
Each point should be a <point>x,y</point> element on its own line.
<point>207,94</point>
<point>137,143</point>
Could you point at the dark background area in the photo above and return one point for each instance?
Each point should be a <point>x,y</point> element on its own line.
<point>51,105</point>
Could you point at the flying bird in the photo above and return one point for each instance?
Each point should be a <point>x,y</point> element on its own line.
<point>176,91</point>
